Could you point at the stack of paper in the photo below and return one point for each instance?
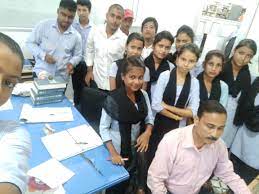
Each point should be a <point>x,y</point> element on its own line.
<point>22,89</point>
<point>46,114</point>
<point>52,173</point>
<point>71,142</point>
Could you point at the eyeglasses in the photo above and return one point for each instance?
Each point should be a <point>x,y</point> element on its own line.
<point>9,83</point>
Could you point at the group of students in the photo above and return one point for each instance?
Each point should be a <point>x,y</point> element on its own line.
<point>175,95</point>
<point>159,104</point>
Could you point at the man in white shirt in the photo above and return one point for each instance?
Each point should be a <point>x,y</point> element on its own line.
<point>149,29</point>
<point>105,44</point>
<point>15,145</point>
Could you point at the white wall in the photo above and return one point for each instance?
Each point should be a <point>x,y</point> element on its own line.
<point>171,14</point>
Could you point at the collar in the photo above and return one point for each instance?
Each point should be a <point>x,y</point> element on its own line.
<point>149,47</point>
<point>188,138</point>
<point>89,25</point>
<point>115,35</point>
<point>68,31</point>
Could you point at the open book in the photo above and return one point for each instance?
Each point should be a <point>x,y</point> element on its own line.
<point>71,142</point>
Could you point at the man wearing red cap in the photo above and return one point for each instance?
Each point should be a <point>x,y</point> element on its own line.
<point>127,21</point>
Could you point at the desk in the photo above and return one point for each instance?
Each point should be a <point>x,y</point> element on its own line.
<point>86,179</point>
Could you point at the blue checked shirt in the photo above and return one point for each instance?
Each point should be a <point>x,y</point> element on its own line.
<point>66,47</point>
<point>84,32</point>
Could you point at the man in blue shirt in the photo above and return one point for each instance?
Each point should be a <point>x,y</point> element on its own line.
<point>83,26</point>
<point>55,44</point>
<point>15,144</point>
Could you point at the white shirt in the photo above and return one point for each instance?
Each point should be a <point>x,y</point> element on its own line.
<point>101,51</point>
<point>193,98</point>
<point>15,149</point>
<point>146,51</point>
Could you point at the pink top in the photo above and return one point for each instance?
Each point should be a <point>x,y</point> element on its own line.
<point>179,167</point>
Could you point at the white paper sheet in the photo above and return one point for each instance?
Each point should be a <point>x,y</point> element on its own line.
<point>52,173</point>
<point>30,114</point>
<point>68,143</point>
<point>7,106</point>
<point>22,89</point>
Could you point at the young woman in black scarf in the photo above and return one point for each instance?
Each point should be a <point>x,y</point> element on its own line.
<point>237,76</point>
<point>211,87</point>
<point>157,61</point>
<point>245,152</point>
<point>126,125</point>
<point>176,96</point>
<point>184,35</point>
<point>134,47</point>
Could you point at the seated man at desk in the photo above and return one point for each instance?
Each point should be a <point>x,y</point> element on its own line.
<point>55,44</point>
<point>187,157</point>
<point>15,145</point>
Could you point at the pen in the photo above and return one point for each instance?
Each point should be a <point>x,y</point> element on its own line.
<point>81,143</point>
<point>124,159</point>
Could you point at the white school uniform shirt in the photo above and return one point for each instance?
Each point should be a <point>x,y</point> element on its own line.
<point>153,85</point>
<point>246,143</point>
<point>230,129</point>
<point>146,51</point>
<point>109,128</point>
<point>193,98</point>
<point>15,149</point>
<point>224,93</point>
<point>101,51</point>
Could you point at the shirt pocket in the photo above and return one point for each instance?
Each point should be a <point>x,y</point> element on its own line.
<point>184,169</point>
<point>47,44</point>
<point>68,46</point>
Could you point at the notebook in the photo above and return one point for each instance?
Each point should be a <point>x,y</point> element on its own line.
<point>71,142</point>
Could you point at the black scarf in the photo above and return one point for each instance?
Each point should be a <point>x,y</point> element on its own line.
<point>121,108</point>
<point>166,124</point>
<point>246,111</point>
<point>242,82</point>
<point>118,79</point>
<point>172,57</point>
<point>154,74</point>
<point>215,89</point>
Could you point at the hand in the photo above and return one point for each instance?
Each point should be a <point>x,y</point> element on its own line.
<point>49,59</point>
<point>172,115</point>
<point>142,141</point>
<point>117,159</point>
<point>176,117</point>
<point>43,75</point>
<point>89,76</point>
<point>70,68</point>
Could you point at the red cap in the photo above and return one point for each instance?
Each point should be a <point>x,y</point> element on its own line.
<point>128,13</point>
